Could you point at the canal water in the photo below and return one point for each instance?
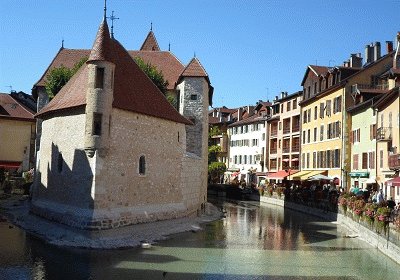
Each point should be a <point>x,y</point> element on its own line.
<point>253,241</point>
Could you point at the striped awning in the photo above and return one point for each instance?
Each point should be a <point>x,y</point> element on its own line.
<point>304,175</point>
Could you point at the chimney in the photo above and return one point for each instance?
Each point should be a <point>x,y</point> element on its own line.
<point>355,60</point>
<point>396,59</point>
<point>369,53</point>
<point>282,94</point>
<point>240,112</point>
<point>389,46</point>
<point>377,51</point>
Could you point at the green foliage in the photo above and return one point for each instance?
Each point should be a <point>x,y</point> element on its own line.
<point>215,170</point>
<point>59,76</point>
<point>217,167</point>
<point>214,130</point>
<point>156,76</point>
<point>172,100</point>
<point>213,153</point>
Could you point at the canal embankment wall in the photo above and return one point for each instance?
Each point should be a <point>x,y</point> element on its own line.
<point>385,243</point>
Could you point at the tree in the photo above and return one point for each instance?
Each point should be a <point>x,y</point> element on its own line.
<point>213,153</point>
<point>215,170</point>
<point>59,76</point>
<point>214,130</point>
<point>156,76</point>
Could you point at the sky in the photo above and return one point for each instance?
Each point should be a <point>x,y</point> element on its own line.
<point>252,50</point>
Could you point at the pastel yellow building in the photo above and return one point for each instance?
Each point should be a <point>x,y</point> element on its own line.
<point>326,126</point>
<point>17,130</point>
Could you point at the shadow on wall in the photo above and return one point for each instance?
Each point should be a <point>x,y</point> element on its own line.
<point>65,186</point>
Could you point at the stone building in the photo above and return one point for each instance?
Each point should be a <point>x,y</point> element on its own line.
<point>114,152</point>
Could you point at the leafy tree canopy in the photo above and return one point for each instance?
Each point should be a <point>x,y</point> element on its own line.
<point>213,153</point>
<point>156,76</point>
<point>59,76</point>
<point>214,130</point>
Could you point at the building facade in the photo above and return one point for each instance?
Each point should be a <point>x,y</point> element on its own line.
<point>284,136</point>
<point>326,125</point>
<point>247,142</point>
<point>17,134</point>
<point>113,150</point>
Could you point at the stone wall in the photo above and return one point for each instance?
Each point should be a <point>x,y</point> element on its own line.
<point>66,180</point>
<point>107,192</point>
<point>381,242</point>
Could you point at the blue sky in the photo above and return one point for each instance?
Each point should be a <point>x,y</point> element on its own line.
<point>252,50</point>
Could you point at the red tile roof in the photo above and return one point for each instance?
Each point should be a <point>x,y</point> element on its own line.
<point>165,62</point>
<point>194,69</point>
<point>65,57</point>
<point>133,89</point>
<point>150,43</point>
<point>319,70</point>
<point>73,94</point>
<point>12,109</point>
<point>213,120</point>
<point>103,47</point>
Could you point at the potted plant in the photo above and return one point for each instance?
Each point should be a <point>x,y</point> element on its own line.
<point>381,219</point>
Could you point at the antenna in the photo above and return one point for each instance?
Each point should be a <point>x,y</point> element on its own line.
<point>11,90</point>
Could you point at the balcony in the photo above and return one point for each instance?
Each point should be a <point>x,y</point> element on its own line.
<point>286,149</point>
<point>295,128</point>
<point>359,87</point>
<point>384,134</point>
<point>273,150</point>
<point>394,162</point>
<point>274,133</point>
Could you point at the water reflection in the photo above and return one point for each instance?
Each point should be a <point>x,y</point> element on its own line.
<point>251,242</point>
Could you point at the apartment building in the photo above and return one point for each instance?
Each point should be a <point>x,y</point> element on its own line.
<point>219,119</point>
<point>326,126</point>
<point>283,128</point>
<point>247,141</point>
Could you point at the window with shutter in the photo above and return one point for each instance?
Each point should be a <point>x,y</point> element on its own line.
<point>321,110</point>
<point>328,108</point>
<point>364,160</point>
<point>322,133</point>
<point>355,162</point>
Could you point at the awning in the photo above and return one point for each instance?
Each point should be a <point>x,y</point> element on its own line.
<point>319,177</point>
<point>359,174</point>
<point>10,164</point>
<point>304,175</point>
<point>282,174</point>
<point>395,182</point>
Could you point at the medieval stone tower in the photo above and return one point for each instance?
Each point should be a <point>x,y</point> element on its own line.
<point>195,95</point>
<point>99,95</point>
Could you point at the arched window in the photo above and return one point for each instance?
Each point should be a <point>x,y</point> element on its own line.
<point>142,165</point>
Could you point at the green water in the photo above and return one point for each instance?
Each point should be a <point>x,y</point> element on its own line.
<point>253,241</point>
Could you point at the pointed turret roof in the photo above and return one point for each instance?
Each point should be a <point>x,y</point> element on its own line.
<point>194,69</point>
<point>133,89</point>
<point>102,47</point>
<point>150,43</point>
